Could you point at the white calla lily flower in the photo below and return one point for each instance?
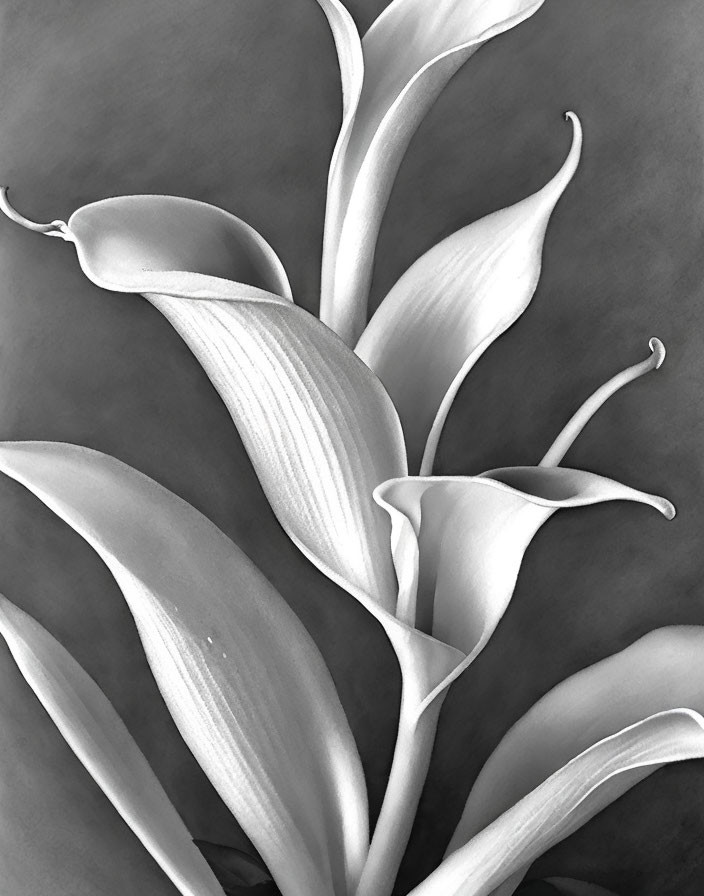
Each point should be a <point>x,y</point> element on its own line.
<point>332,434</point>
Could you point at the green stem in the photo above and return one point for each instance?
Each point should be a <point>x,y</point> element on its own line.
<point>409,768</point>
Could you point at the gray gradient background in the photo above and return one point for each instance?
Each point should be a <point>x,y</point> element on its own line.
<point>236,102</point>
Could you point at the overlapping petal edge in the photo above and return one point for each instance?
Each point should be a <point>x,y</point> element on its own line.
<point>405,68</point>
<point>242,678</point>
<point>577,749</point>
<point>467,549</point>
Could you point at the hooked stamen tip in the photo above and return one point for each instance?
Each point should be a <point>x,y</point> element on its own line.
<point>658,350</point>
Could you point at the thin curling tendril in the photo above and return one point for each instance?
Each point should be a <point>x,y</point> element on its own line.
<point>55,228</point>
<point>578,421</point>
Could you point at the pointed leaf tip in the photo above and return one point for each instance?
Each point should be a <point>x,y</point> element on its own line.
<point>452,303</point>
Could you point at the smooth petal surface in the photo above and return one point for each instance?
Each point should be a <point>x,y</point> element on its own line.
<point>410,53</point>
<point>452,304</point>
<point>349,55</point>
<point>97,735</point>
<point>319,427</point>
<point>580,747</point>
<point>463,540</point>
<point>243,680</point>
<point>130,243</point>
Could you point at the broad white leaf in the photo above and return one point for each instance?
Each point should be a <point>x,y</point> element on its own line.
<point>459,542</point>
<point>242,678</point>
<point>97,735</point>
<point>452,304</point>
<point>580,747</point>
<point>318,426</point>
<point>59,835</point>
<point>410,53</point>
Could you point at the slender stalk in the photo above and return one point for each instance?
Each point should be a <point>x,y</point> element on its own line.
<point>578,421</point>
<point>54,228</point>
<point>409,768</point>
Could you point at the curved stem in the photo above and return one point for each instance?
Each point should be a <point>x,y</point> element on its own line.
<point>576,424</point>
<point>409,768</point>
<point>55,228</point>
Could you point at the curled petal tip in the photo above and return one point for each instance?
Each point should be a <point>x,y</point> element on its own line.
<point>574,120</point>
<point>55,228</point>
<point>658,350</point>
<point>667,508</point>
<point>572,160</point>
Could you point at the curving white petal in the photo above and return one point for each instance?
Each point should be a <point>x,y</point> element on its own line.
<point>410,53</point>
<point>318,426</point>
<point>242,678</point>
<point>131,243</point>
<point>462,540</point>
<point>580,747</point>
<point>452,303</point>
<point>349,54</point>
<point>99,738</point>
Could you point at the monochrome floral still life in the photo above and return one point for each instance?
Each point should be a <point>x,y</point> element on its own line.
<point>341,417</point>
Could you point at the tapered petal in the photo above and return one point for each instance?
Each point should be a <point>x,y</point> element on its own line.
<point>351,60</point>
<point>97,735</point>
<point>59,835</point>
<point>349,55</point>
<point>579,748</point>
<point>410,53</point>
<point>461,540</point>
<point>243,680</point>
<point>131,243</point>
<point>452,304</point>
